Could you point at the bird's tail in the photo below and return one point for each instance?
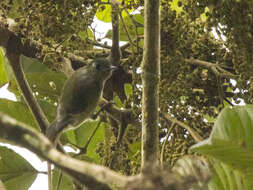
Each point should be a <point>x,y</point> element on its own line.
<point>55,129</point>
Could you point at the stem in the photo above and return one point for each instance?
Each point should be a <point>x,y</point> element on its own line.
<point>150,81</point>
<point>13,54</point>
<point>164,142</point>
<point>192,132</point>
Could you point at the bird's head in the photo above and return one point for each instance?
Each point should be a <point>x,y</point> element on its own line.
<point>102,68</point>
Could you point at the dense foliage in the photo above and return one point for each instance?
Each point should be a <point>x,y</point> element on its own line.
<point>217,32</point>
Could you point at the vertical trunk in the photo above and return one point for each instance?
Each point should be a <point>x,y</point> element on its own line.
<point>150,81</point>
<point>115,51</point>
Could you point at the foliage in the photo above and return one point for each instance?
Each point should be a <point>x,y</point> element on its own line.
<point>192,94</point>
<point>17,174</point>
<point>231,144</point>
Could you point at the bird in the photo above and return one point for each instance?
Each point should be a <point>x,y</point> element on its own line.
<point>80,96</point>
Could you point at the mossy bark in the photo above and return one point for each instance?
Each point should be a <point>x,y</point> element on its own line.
<point>150,81</point>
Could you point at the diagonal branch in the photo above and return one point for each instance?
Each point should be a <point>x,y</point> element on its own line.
<point>14,49</point>
<point>91,175</point>
<point>192,132</point>
<point>215,68</point>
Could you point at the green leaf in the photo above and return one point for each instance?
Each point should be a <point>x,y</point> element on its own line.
<point>209,118</point>
<point>46,84</point>
<point>128,89</point>
<point>31,65</point>
<point>15,172</point>
<point>104,13</point>
<point>61,180</point>
<point>20,111</point>
<point>139,18</point>
<point>3,75</point>
<point>174,6</point>
<point>131,29</point>
<point>81,135</point>
<point>86,34</point>
<point>118,102</point>
<point>134,148</point>
<point>41,79</point>
<point>231,141</point>
<point>225,177</point>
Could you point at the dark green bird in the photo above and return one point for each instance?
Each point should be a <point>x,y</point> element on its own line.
<point>80,96</point>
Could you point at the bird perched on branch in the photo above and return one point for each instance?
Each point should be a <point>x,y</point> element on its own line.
<point>80,96</point>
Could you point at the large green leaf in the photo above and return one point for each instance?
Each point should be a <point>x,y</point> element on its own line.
<point>17,110</point>
<point>41,79</point>
<point>21,112</point>
<point>104,12</point>
<point>81,135</point>
<point>15,172</point>
<point>61,181</point>
<point>31,65</point>
<point>231,142</point>
<point>226,177</point>
<point>130,27</point>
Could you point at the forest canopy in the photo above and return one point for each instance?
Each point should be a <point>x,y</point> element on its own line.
<point>206,65</point>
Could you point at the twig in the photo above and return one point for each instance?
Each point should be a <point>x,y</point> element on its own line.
<point>95,43</point>
<point>192,132</point>
<point>84,149</point>
<point>215,68</point>
<point>59,181</point>
<point>164,142</point>
<point>136,24</point>
<point>115,51</point>
<point>13,53</point>
<point>127,32</point>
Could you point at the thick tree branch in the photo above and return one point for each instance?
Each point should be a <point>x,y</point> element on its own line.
<point>91,175</point>
<point>115,51</point>
<point>150,82</point>
<point>14,49</point>
<point>215,68</point>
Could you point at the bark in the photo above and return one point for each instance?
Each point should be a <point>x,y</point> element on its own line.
<point>150,81</point>
<point>91,175</point>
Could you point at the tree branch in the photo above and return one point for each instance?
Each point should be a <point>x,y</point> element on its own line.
<point>119,114</point>
<point>91,175</point>
<point>115,51</point>
<point>14,49</point>
<point>215,68</point>
<point>192,132</point>
<point>150,82</point>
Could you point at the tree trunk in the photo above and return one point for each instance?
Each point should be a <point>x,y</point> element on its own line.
<point>150,81</point>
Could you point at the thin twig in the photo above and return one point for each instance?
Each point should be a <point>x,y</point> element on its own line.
<point>164,142</point>
<point>84,149</point>
<point>127,32</point>
<point>192,132</point>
